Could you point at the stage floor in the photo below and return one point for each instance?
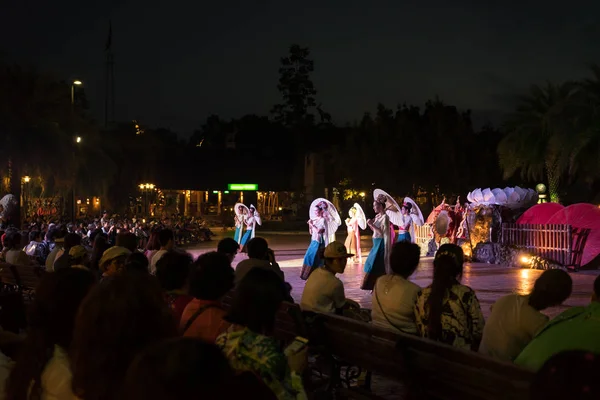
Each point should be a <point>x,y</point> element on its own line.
<point>489,281</point>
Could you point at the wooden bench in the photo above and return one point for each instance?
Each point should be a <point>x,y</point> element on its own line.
<point>23,278</point>
<point>429,370</point>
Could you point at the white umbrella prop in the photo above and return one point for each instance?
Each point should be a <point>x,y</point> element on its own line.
<point>257,218</point>
<point>237,207</point>
<point>415,213</point>
<point>331,215</point>
<point>360,216</point>
<point>392,209</point>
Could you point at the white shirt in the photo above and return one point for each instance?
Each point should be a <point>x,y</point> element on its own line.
<point>380,221</point>
<point>317,225</point>
<point>157,256</point>
<point>323,292</point>
<point>397,297</point>
<point>510,327</point>
<point>56,377</point>
<point>406,221</point>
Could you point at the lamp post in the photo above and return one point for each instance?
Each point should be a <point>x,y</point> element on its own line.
<point>23,200</point>
<point>145,188</point>
<point>77,141</point>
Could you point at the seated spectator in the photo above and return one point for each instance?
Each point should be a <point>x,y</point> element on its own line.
<point>62,257</point>
<point>79,257</point>
<point>447,311</point>
<point>574,329</point>
<point>113,260</point>
<point>259,255</point>
<point>153,244</point>
<point>247,344</point>
<point>568,375</point>
<point>394,296</point>
<point>172,272</point>
<point>14,253</point>
<point>229,247</point>
<point>42,369</point>
<point>54,240</point>
<point>210,280</point>
<point>166,239</point>
<point>100,245</point>
<point>323,291</point>
<point>137,262</point>
<point>117,320</point>
<point>184,367</point>
<point>36,249</point>
<point>516,319</point>
<point>127,240</point>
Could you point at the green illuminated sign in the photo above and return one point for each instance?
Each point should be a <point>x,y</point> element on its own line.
<point>242,186</point>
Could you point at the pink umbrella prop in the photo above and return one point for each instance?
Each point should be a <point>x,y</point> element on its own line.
<point>540,213</point>
<point>582,215</point>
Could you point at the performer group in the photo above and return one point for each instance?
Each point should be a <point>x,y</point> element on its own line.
<point>324,221</point>
<point>245,218</point>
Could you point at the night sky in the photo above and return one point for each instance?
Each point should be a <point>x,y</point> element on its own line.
<point>179,61</point>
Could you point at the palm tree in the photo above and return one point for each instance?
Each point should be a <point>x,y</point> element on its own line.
<point>538,134</point>
<point>585,148</point>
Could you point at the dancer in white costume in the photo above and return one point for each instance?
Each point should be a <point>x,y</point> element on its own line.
<point>240,213</point>
<point>322,225</point>
<point>251,219</point>
<point>355,222</point>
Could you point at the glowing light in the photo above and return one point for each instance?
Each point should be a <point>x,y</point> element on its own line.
<point>525,273</point>
<point>362,194</point>
<point>280,208</point>
<point>525,259</point>
<point>26,179</point>
<point>242,186</point>
<point>76,82</point>
<point>78,139</point>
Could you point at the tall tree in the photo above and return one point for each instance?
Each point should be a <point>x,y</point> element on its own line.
<point>297,90</point>
<point>537,133</point>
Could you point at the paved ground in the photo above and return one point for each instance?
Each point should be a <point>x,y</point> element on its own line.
<point>489,281</point>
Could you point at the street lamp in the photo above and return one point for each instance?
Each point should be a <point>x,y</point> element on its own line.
<point>73,84</point>
<point>145,188</point>
<point>78,139</point>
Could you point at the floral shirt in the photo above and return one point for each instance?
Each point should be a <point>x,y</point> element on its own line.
<point>249,351</point>
<point>462,319</point>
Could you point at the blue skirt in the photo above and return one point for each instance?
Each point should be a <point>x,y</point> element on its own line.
<point>376,261</point>
<point>246,237</point>
<point>312,260</point>
<point>404,237</point>
<point>236,235</point>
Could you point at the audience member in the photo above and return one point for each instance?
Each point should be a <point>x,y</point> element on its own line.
<point>324,292</point>
<point>229,247</point>
<point>113,260</point>
<point>127,240</point>
<point>62,257</point>
<point>119,318</point>
<point>259,256</point>
<point>447,311</point>
<point>137,262</point>
<point>183,368</point>
<point>575,329</point>
<point>210,280</point>
<point>14,253</point>
<point>394,296</point>
<point>166,238</point>
<point>247,344</point>
<point>172,272</point>
<point>79,257</point>
<point>516,319</point>
<point>42,370</point>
